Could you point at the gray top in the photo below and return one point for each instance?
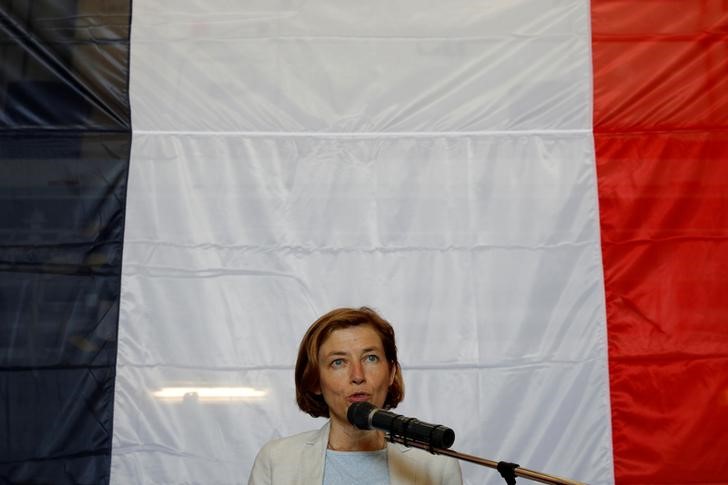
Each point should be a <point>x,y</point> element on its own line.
<point>356,467</point>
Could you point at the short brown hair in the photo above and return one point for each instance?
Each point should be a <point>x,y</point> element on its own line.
<point>307,371</point>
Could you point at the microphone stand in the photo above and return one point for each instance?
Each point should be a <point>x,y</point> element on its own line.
<point>509,471</point>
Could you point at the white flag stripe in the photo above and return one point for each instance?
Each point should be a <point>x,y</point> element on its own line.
<point>311,66</point>
<point>482,249</point>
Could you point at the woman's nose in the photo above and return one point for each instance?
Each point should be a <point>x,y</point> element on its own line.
<point>357,373</point>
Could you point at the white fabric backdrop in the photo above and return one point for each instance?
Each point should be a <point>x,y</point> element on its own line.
<point>434,161</point>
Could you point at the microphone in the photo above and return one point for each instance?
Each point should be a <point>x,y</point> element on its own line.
<point>365,415</point>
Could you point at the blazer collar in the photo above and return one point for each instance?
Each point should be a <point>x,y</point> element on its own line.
<point>402,469</point>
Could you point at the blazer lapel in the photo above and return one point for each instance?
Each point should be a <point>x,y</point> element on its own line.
<point>403,470</point>
<point>313,455</point>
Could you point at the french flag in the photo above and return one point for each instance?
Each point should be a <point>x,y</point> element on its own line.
<point>533,192</point>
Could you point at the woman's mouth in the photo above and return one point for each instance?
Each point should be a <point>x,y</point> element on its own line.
<point>358,397</point>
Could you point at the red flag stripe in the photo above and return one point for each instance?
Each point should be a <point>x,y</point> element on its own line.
<point>661,134</point>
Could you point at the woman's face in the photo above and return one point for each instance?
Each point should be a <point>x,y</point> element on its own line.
<point>353,367</point>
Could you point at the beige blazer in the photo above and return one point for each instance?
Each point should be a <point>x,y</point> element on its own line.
<point>299,459</point>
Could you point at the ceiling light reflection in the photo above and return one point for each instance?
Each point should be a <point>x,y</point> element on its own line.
<point>209,394</point>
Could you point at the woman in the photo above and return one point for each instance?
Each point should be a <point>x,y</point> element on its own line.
<point>346,356</point>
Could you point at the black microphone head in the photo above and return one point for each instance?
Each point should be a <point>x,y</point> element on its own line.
<point>358,414</point>
<point>442,437</point>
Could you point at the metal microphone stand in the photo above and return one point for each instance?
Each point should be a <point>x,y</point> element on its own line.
<point>509,471</point>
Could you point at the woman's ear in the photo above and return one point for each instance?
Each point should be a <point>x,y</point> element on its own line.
<point>393,372</point>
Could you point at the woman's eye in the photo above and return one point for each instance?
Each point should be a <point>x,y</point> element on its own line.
<point>372,358</point>
<point>337,363</point>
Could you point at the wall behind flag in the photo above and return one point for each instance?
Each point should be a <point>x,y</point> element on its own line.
<point>433,161</point>
<point>64,146</point>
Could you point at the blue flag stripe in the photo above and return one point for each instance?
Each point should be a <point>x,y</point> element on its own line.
<point>64,159</point>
